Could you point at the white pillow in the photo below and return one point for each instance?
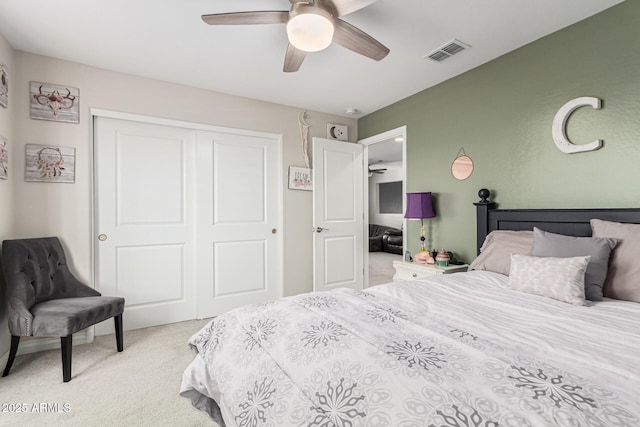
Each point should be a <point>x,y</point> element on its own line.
<point>558,278</point>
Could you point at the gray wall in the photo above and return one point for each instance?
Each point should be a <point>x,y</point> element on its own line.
<point>502,112</point>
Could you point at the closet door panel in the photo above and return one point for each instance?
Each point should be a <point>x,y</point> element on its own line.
<point>145,220</point>
<point>239,221</point>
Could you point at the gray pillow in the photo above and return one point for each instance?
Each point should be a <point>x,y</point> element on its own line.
<point>622,280</point>
<point>547,244</point>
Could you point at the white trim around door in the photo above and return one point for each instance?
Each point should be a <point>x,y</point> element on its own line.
<point>399,132</point>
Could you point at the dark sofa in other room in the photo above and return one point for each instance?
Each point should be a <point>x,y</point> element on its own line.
<point>386,239</point>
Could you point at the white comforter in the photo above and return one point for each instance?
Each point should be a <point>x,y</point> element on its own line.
<point>451,350</point>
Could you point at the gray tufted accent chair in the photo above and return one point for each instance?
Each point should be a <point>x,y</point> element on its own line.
<point>45,299</point>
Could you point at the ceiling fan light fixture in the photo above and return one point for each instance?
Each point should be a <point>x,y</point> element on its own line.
<point>310,29</point>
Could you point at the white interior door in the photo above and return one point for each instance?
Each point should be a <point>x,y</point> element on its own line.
<point>239,221</point>
<point>338,215</point>
<point>145,237</point>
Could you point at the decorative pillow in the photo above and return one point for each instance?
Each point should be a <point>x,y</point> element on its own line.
<point>495,253</point>
<point>623,280</point>
<point>547,244</point>
<point>558,278</point>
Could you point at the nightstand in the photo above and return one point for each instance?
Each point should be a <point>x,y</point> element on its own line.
<point>411,271</point>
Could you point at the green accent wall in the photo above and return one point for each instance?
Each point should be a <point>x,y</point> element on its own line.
<point>501,113</point>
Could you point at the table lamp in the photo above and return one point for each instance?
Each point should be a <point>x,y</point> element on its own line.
<point>419,206</point>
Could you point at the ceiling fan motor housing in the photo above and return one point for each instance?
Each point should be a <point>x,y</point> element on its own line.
<point>310,28</point>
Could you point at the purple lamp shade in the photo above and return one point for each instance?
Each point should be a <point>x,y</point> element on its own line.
<point>419,206</point>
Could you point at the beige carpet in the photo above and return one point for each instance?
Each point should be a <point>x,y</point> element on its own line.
<point>381,267</point>
<point>138,387</point>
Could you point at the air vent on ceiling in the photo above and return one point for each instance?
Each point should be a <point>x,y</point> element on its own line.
<point>447,50</point>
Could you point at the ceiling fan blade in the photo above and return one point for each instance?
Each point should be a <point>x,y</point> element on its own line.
<point>247,18</point>
<point>340,8</point>
<point>380,170</point>
<point>293,59</point>
<point>346,35</point>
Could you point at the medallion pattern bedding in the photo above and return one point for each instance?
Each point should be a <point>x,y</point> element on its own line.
<point>450,350</point>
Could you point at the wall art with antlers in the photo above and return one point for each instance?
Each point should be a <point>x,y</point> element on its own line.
<point>54,102</point>
<point>4,86</point>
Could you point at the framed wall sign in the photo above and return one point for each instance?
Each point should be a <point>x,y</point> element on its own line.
<point>4,86</point>
<point>48,163</point>
<point>54,102</point>
<point>4,158</point>
<point>300,178</point>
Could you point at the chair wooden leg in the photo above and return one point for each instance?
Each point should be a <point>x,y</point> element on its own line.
<point>118,322</point>
<point>15,340</point>
<point>66,343</point>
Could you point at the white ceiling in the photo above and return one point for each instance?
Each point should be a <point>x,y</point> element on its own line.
<point>389,151</point>
<point>167,40</point>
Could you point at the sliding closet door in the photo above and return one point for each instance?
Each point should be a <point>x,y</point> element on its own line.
<point>239,220</point>
<point>145,219</point>
<point>188,222</point>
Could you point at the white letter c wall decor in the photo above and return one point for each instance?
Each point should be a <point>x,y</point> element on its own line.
<point>559,129</point>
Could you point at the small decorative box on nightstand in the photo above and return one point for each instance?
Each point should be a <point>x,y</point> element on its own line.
<point>411,271</point>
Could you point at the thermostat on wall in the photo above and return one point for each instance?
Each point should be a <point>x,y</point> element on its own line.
<point>339,132</point>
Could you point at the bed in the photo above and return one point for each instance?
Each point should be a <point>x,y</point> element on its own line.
<point>466,349</point>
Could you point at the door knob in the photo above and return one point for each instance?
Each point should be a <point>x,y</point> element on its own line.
<point>102,237</point>
<point>320,229</point>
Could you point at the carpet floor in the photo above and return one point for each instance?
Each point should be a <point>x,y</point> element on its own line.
<point>381,267</point>
<point>138,387</point>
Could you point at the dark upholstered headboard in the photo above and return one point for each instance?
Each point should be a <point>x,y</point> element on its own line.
<point>571,222</point>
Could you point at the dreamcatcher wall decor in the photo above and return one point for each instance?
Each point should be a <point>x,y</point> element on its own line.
<point>4,158</point>
<point>54,102</point>
<point>304,137</point>
<point>47,163</point>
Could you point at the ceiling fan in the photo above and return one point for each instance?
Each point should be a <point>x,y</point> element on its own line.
<point>379,170</point>
<point>311,26</point>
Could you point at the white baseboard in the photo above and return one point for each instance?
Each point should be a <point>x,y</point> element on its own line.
<point>48,343</point>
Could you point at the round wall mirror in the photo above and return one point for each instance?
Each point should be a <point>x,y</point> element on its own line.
<point>462,166</point>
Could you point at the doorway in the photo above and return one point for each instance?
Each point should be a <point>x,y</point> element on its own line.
<point>385,155</point>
